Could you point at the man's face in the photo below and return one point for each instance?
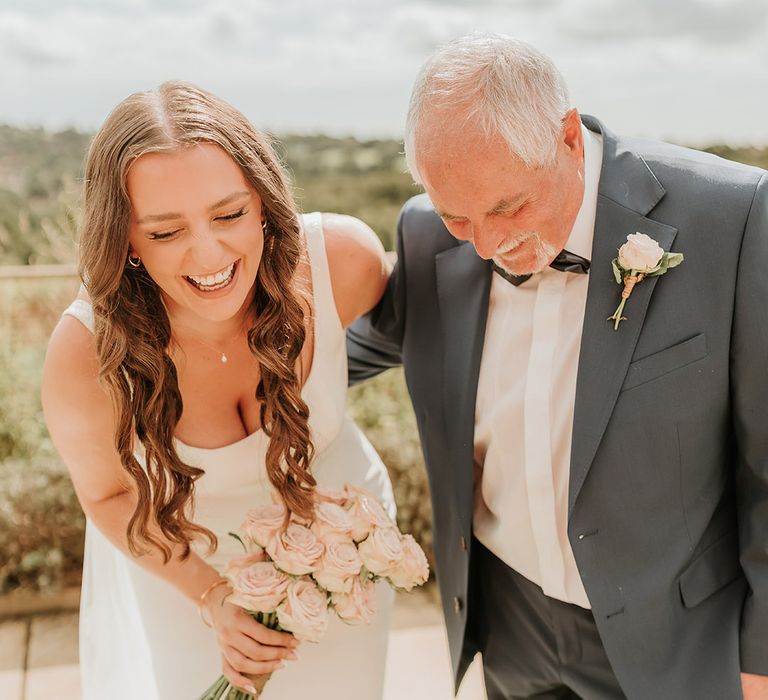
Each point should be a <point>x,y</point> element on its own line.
<point>518,216</point>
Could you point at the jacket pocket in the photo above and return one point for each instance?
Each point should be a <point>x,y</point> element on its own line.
<point>665,361</point>
<point>713,569</point>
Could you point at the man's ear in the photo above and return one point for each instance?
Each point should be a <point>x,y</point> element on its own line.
<point>571,135</point>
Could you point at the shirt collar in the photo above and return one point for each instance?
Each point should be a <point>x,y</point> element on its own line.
<point>582,233</point>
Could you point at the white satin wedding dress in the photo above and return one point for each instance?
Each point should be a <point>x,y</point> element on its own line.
<point>140,639</point>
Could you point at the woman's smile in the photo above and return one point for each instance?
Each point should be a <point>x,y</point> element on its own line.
<point>215,282</point>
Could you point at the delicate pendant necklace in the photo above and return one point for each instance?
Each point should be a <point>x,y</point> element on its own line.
<point>221,353</point>
<point>224,359</point>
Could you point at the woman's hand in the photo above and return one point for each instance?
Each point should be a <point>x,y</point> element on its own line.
<point>247,648</point>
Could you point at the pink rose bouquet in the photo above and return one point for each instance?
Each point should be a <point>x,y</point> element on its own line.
<point>294,573</point>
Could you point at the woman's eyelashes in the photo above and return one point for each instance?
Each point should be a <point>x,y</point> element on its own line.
<point>164,235</point>
<point>161,236</point>
<point>233,216</point>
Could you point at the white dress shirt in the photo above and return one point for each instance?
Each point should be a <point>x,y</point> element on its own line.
<point>524,411</point>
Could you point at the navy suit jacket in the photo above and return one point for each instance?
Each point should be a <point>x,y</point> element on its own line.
<point>668,500</point>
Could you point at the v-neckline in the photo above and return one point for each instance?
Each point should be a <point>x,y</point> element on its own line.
<point>257,432</point>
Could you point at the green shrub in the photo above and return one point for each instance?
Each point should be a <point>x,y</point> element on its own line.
<point>29,309</point>
<point>41,526</point>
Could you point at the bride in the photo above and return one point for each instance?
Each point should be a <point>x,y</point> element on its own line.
<point>203,373</point>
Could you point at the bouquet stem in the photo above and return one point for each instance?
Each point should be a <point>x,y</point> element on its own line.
<point>222,689</point>
<point>259,682</point>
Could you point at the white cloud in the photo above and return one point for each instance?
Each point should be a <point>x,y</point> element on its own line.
<point>683,69</point>
<point>719,21</point>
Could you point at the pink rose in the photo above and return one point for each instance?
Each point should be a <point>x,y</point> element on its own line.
<point>640,253</point>
<point>259,588</point>
<point>297,550</point>
<point>366,513</point>
<point>382,551</point>
<point>412,569</point>
<point>354,492</point>
<point>304,612</point>
<point>340,564</point>
<point>337,496</point>
<point>263,523</point>
<point>332,523</point>
<point>236,565</point>
<point>359,605</point>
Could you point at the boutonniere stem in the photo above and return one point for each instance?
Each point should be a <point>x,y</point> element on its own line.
<point>638,258</point>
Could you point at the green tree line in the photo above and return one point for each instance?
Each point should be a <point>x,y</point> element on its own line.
<point>41,180</point>
<point>41,175</point>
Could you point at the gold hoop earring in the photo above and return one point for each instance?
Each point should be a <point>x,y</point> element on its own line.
<point>134,262</point>
<point>264,225</point>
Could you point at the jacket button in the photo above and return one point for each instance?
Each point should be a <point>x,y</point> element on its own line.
<point>457,604</point>
<point>463,543</point>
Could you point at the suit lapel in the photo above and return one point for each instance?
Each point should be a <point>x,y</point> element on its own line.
<point>463,287</point>
<point>628,190</point>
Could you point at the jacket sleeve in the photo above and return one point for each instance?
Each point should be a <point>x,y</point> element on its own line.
<point>749,393</point>
<point>374,342</point>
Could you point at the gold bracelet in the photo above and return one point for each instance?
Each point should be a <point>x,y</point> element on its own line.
<point>205,594</point>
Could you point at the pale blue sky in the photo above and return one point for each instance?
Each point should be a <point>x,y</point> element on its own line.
<point>692,71</point>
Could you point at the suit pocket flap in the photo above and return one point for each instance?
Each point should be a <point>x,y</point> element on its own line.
<point>665,361</point>
<point>710,571</point>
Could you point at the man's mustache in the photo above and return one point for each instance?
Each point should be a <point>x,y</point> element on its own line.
<point>512,243</point>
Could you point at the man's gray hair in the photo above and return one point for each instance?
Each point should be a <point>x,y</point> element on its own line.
<point>494,82</point>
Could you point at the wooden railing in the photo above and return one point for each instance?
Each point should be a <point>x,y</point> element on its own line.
<point>13,272</point>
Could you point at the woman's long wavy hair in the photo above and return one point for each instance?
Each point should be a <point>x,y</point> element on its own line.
<point>133,331</point>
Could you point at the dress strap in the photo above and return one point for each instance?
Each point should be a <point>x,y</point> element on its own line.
<point>327,320</point>
<point>82,310</point>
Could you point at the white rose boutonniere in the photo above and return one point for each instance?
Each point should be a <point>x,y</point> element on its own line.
<point>638,258</point>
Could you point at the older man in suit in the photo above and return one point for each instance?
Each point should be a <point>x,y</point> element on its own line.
<point>600,491</point>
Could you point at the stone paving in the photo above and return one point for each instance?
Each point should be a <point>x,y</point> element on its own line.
<point>38,657</point>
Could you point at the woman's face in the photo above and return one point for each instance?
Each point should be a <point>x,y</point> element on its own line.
<point>196,223</point>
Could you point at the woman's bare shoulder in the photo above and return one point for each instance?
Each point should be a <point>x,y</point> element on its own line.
<point>357,263</point>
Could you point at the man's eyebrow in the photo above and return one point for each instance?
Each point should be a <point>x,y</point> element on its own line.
<point>150,218</point>
<point>502,205</point>
<point>508,204</point>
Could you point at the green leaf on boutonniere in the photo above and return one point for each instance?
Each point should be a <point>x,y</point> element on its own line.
<point>616,270</point>
<point>668,261</point>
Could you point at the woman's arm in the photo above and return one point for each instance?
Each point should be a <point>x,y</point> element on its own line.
<point>81,423</point>
<point>358,265</point>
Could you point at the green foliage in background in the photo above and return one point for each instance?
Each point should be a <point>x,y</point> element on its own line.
<point>41,526</point>
<point>41,176</point>
<point>749,154</point>
<point>366,179</point>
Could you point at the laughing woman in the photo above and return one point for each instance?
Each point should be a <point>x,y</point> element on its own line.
<point>203,372</point>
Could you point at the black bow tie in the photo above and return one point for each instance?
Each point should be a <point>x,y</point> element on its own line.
<point>564,262</point>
